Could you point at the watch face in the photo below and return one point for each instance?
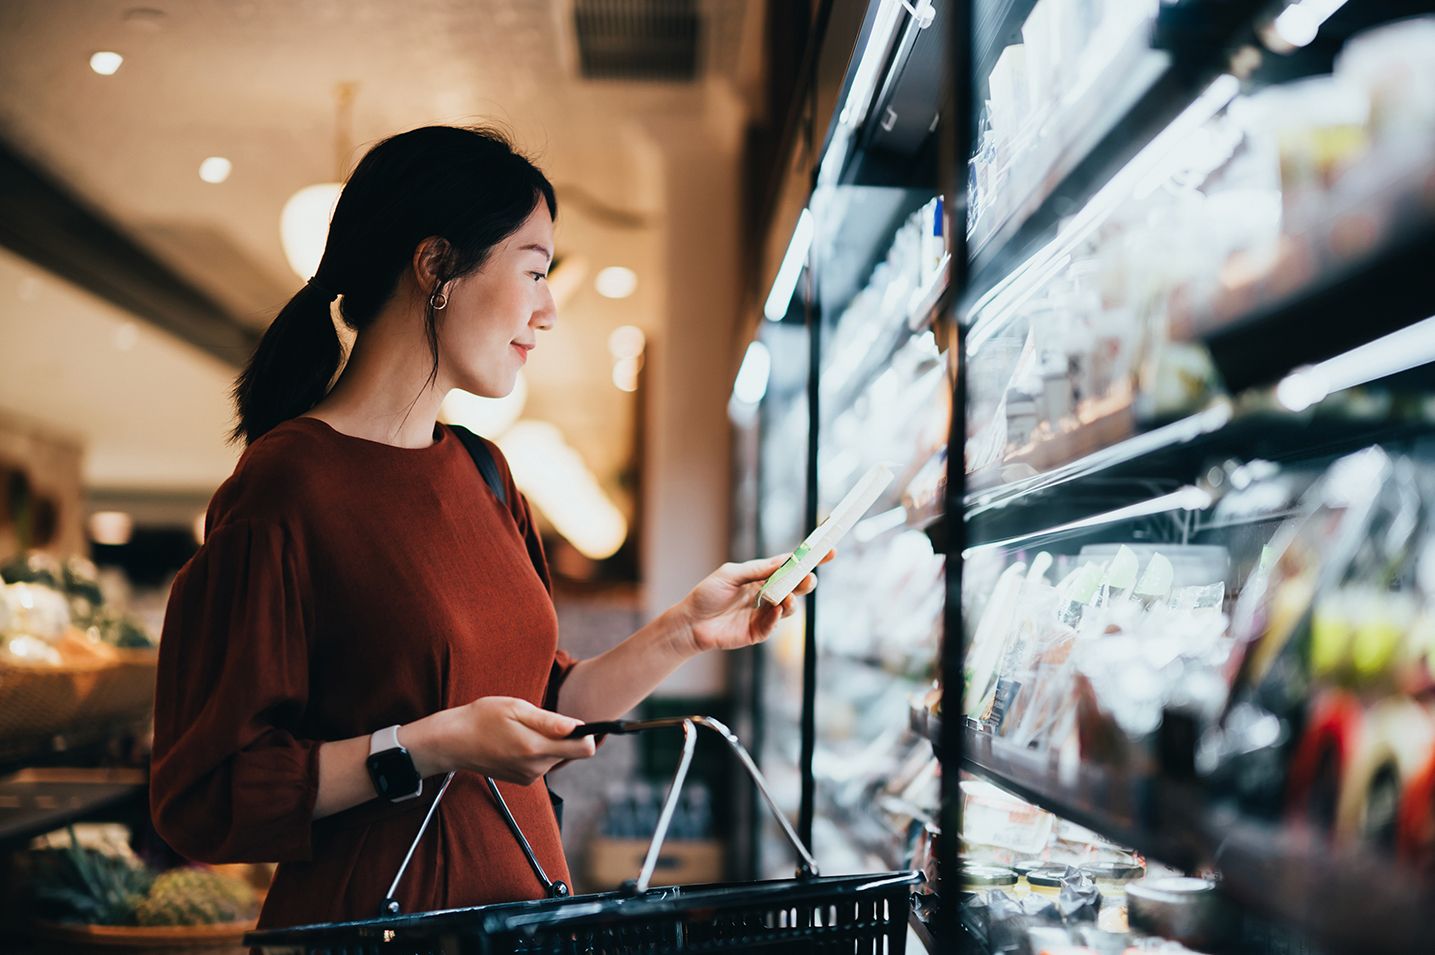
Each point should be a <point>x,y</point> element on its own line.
<point>393,773</point>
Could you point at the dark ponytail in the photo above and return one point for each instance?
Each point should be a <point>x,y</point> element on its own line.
<point>466,185</point>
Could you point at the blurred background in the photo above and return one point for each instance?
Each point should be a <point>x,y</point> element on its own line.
<point>1126,303</point>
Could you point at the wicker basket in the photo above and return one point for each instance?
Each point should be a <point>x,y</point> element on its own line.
<point>82,698</point>
<point>173,938</point>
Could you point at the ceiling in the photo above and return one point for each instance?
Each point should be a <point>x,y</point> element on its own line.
<point>255,81</point>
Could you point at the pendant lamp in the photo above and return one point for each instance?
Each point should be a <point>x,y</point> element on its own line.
<point>304,223</point>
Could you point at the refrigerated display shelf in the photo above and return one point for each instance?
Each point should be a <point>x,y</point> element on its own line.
<point>1184,452</point>
<point>1115,805</point>
<point>1341,305</point>
<point>1149,87</point>
<point>1340,899</point>
<point>924,304</point>
<point>996,25</point>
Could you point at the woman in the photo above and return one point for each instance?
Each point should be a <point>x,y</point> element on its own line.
<point>365,612</point>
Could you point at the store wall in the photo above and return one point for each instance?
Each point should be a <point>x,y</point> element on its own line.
<point>687,467</point>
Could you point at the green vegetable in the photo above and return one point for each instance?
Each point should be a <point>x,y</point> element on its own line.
<point>75,884</point>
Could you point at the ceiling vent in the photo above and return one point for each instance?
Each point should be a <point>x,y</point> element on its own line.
<point>644,40</point>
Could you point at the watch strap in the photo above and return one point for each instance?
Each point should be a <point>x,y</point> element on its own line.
<point>386,738</point>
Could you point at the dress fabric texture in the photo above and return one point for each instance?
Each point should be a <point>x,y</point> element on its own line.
<point>346,585</point>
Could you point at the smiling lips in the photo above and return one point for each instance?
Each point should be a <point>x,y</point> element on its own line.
<point>523,350</point>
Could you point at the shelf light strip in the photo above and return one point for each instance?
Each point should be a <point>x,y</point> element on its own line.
<point>1189,498</point>
<point>1209,421</point>
<point>780,297</point>
<point>1408,348</point>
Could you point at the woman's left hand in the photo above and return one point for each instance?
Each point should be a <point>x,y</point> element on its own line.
<point>722,612</point>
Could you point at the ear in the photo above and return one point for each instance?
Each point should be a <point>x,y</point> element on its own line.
<point>428,261</point>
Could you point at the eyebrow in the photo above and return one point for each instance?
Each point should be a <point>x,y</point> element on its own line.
<point>543,249</point>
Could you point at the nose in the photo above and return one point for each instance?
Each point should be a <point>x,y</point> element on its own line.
<point>547,314</point>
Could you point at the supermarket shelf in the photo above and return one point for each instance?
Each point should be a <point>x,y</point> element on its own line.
<point>36,801</point>
<point>1343,306</point>
<point>996,25</point>
<point>1289,877</point>
<point>922,306</point>
<point>1140,93</point>
<point>1133,471</point>
<point>1115,806</point>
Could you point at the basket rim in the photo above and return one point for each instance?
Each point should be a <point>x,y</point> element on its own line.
<point>604,906</point>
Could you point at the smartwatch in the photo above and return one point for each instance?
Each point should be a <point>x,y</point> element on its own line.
<point>392,768</point>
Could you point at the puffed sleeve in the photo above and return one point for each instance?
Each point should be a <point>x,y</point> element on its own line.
<point>231,779</point>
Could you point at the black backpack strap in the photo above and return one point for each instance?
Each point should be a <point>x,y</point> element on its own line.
<point>483,458</point>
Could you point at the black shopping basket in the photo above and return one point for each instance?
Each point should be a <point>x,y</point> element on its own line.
<point>811,913</point>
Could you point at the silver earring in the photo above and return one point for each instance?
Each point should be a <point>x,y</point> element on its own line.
<point>438,301</point>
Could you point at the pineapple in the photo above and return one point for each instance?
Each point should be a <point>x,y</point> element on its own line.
<point>77,884</point>
<point>196,897</point>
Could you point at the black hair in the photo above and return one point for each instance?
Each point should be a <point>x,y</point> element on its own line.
<point>465,185</point>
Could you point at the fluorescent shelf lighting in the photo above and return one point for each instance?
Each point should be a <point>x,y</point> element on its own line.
<point>786,282</point>
<point>752,377</point>
<point>1299,23</point>
<point>1408,348</point>
<point>1189,498</point>
<point>864,81</point>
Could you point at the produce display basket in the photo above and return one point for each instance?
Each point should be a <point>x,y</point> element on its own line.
<point>805,915</point>
<point>79,699</point>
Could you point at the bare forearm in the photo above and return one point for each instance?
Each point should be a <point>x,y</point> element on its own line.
<point>607,686</point>
<point>344,776</point>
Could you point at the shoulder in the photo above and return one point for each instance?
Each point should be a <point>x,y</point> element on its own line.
<point>278,478</point>
<point>505,472</point>
<point>517,504</point>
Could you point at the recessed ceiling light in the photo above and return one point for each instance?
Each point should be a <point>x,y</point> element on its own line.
<point>113,528</point>
<point>215,169</point>
<point>627,341</point>
<point>106,62</point>
<point>616,282</point>
<point>625,373</point>
<point>126,336</point>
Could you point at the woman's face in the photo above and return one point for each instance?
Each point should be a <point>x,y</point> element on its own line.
<point>494,314</point>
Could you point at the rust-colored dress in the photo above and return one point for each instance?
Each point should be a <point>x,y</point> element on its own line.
<point>346,585</point>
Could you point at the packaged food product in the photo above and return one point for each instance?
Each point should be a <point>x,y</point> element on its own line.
<point>1188,910</point>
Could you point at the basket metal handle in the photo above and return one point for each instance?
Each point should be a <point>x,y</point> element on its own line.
<point>807,866</point>
<point>554,890</point>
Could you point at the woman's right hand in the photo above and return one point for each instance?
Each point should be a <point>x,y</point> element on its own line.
<point>506,738</point>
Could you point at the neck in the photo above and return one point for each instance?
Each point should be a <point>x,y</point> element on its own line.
<point>383,393</point>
